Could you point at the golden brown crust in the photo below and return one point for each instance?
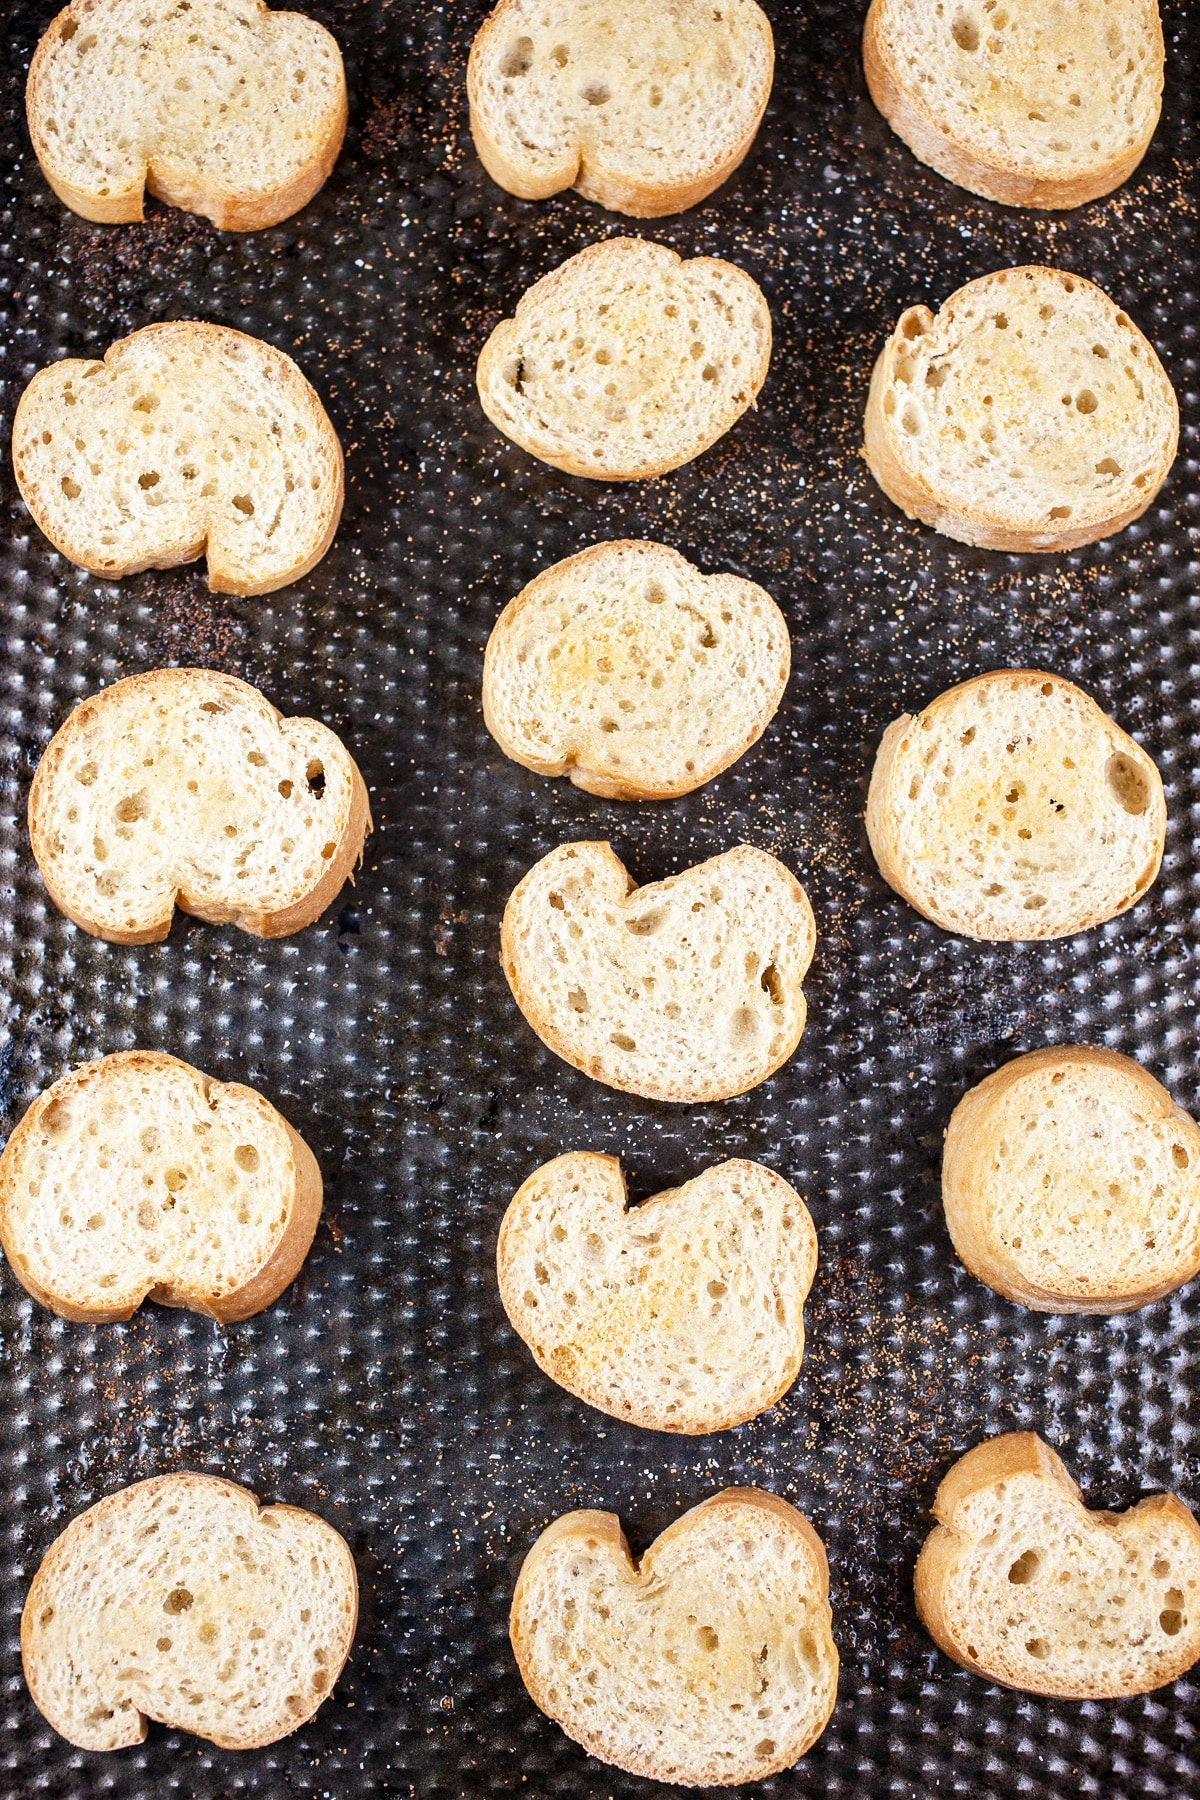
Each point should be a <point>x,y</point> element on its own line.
<point>347,856</point>
<point>882,810</point>
<point>637,199</point>
<point>908,489</point>
<point>303,1210</point>
<point>229,209</point>
<point>1001,1459</point>
<point>590,781</point>
<point>968,1139</point>
<point>222,576</point>
<point>1007,182</point>
<point>607,1527</point>
<point>63,1548</point>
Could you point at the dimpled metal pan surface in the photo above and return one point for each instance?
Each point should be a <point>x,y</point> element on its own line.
<point>386,1390</point>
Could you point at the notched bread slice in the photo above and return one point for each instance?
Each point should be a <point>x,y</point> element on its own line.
<point>642,108</point>
<point>688,989</point>
<point>181,1600</point>
<point>709,1663</point>
<point>1032,102</point>
<point>186,788</point>
<point>136,1177</point>
<point>1071,1183</point>
<point>632,673</point>
<point>627,361</point>
<point>1028,414</point>
<point>1012,808</point>
<point>187,440</point>
<point>685,1313</point>
<point>1021,1583</point>
<point>217,106</point>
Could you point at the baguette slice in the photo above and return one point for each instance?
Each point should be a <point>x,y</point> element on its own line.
<point>1022,1584</point>
<point>181,1600</point>
<point>684,1314</point>
<point>688,989</point>
<point>186,788</point>
<point>643,108</point>
<point>709,1663</point>
<point>1045,103</point>
<point>1028,414</point>
<point>188,439</point>
<point>627,670</point>
<point>1012,808</point>
<point>217,106</point>
<point>137,1177</point>
<point>1071,1183</point>
<point>627,361</point>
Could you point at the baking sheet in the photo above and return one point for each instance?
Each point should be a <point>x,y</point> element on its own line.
<point>386,1390</point>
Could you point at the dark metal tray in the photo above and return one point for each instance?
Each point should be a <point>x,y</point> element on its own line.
<point>386,1390</point>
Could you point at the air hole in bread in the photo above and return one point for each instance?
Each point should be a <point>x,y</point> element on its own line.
<point>560,56</point>
<point>149,479</point>
<point>596,93</point>
<point>707,1638</point>
<point>285,788</point>
<point>1038,1648</point>
<point>1180,1158</point>
<point>246,1157</point>
<point>656,96</point>
<point>314,775</point>
<point>1085,401</point>
<point>765,1747</point>
<point>577,1000</point>
<point>518,58</point>
<point>912,419</point>
<point>1025,1567</point>
<point>179,1600</point>
<point>1060,512</point>
<point>965,32</point>
<point>1127,782</point>
<point>70,488</point>
<point>772,984</point>
<point>244,505</point>
<point>1109,466</point>
<point>163,1644</point>
<point>647,925</point>
<point>622,1040</point>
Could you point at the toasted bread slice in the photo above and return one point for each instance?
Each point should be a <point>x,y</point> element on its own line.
<point>1071,1183</point>
<point>1028,414</point>
<point>136,1177</point>
<point>186,788</point>
<point>627,670</point>
<point>709,1663</point>
<point>1021,1583</point>
<point>684,1314</point>
<point>1012,808</point>
<point>180,1600</point>
<point>643,108</point>
<point>188,439</point>
<point>1044,103</point>
<point>217,106</point>
<point>688,989</point>
<point>627,361</point>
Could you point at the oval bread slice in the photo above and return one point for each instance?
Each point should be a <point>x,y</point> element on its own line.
<point>1028,414</point>
<point>217,106</point>
<point>643,108</point>
<point>709,1663</point>
<point>187,440</point>
<point>1022,1584</point>
<point>687,989</point>
<point>1045,103</point>
<point>685,1313</point>
<point>181,1600</point>
<point>137,1177</point>
<point>186,788</point>
<point>632,673</point>
<point>627,361</point>
<point>1012,808</point>
<point>1071,1183</point>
